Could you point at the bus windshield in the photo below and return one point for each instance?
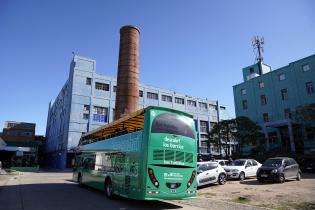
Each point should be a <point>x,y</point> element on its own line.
<point>172,124</point>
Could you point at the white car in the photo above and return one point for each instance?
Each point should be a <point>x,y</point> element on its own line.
<point>222,162</point>
<point>242,168</point>
<point>210,172</point>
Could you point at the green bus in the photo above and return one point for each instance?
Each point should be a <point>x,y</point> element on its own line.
<point>148,155</point>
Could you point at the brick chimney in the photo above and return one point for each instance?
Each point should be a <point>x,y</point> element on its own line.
<point>127,94</point>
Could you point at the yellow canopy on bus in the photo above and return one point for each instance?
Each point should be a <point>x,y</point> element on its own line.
<point>129,123</point>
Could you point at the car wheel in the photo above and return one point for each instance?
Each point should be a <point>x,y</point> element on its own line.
<point>260,180</point>
<point>281,178</point>
<point>222,179</point>
<point>80,180</point>
<point>108,188</point>
<point>298,176</point>
<point>242,176</point>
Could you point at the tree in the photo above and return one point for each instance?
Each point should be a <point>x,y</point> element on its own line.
<point>305,116</point>
<point>248,132</point>
<point>222,134</point>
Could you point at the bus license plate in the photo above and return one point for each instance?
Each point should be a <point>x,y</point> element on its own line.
<point>173,190</point>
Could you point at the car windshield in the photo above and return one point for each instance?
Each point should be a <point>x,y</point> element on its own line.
<point>273,163</point>
<point>202,167</point>
<point>238,163</point>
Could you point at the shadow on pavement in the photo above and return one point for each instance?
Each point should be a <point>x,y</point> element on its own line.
<point>68,196</point>
<point>266,182</point>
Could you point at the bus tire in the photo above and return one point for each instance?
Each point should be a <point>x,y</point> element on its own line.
<point>80,180</point>
<point>109,188</point>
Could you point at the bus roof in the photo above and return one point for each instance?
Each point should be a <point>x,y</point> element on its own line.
<point>129,123</point>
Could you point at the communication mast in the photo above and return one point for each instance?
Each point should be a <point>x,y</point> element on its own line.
<point>258,47</point>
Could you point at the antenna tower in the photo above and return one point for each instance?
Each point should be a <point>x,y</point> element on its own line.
<point>258,47</point>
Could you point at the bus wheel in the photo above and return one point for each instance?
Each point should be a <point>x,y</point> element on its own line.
<point>80,180</point>
<point>109,188</point>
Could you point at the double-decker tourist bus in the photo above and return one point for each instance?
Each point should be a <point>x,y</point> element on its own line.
<point>147,155</point>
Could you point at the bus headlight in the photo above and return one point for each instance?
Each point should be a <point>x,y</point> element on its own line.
<point>193,174</point>
<point>152,178</point>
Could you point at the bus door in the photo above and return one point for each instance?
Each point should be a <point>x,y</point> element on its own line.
<point>119,172</point>
<point>88,168</point>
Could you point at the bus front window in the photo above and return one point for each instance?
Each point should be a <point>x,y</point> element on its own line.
<point>172,124</point>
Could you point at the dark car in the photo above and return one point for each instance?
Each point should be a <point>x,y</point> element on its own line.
<point>279,169</point>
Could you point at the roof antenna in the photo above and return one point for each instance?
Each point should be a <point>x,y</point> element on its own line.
<point>258,46</point>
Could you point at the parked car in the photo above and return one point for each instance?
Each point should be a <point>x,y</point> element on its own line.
<point>279,169</point>
<point>242,168</point>
<point>210,172</point>
<point>307,164</point>
<point>222,162</point>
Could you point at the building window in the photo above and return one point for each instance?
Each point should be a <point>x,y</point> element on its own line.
<point>100,114</point>
<point>243,91</point>
<point>153,96</point>
<point>284,94</point>
<point>114,89</point>
<point>287,113</point>
<point>272,137</point>
<point>261,84</point>
<point>212,124</point>
<point>86,108</point>
<point>263,100</point>
<point>88,81</point>
<point>203,126</point>
<point>86,112</point>
<point>245,105</point>
<point>222,107</point>
<point>265,117</point>
<point>306,67</point>
<point>203,105</point>
<point>251,70</point>
<point>101,86</point>
<point>281,77</point>
<point>191,103</point>
<point>166,98</point>
<point>212,106</point>
<point>204,143</point>
<point>140,93</point>
<point>179,100</point>
<point>203,136</point>
<point>309,88</point>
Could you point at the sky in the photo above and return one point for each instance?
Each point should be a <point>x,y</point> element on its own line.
<point>193,47</point>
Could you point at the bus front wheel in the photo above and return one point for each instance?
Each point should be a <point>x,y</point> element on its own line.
<point>109,188</point>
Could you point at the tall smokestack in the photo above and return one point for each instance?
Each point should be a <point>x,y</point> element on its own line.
<point>127,95</point>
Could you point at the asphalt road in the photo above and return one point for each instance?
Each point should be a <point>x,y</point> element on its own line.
<point>56,191</point>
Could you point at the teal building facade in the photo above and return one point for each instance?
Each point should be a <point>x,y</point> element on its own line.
<point>270,97</point>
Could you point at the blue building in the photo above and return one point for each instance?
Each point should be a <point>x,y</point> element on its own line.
<point>270,97</point>
<point>87,101</point>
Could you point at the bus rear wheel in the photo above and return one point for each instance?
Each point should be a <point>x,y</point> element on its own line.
<point>109,188</point>
<point>80,180</point>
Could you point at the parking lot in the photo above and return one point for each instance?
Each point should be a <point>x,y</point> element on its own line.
<point>289,195</point>
<point>50,190</point>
